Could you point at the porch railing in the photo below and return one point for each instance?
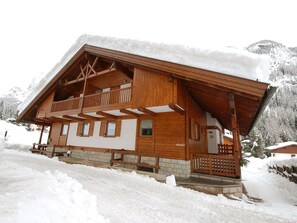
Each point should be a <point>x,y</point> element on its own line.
<point>108,98</point>
<point>221,165</point>
<point>225,149</point>
<point>67,104</point>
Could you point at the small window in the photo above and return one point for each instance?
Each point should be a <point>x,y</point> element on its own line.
<point>86,129</point>
<point>110,129</point>
<point>64,129</point>
<point>146,127</point>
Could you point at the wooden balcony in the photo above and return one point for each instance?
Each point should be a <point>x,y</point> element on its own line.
<point>107,98</point>
<point>68,104</point>
<point>113,97</point>
<point>222,165</point>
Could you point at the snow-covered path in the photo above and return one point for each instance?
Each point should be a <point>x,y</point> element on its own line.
<point>277,192</point>
<point>34,188</point>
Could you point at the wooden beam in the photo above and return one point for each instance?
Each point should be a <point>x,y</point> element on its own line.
<point>56,119</point>
<point>235,132</point>
<point>41,134</point>
<point>177,108</point>
<point>73,118</point>
<point>124,69</point>
<point>101,72</point>
<point>89,117</point>
<point>128,112</point>
<point>92,66</point>
<point>146,111</point>
<point>106,115</point>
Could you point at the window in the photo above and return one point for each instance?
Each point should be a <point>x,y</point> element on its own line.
<point>195,130</point>
<point>146,127</point>
<point>64,130</point>
<point>110,129</point>
<point>85,129</point>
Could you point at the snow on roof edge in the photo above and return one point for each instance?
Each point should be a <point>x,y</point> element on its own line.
<point>228,61</point>
<point>280,145</point>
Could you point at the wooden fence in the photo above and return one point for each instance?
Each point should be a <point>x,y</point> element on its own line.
<point>221,165</point>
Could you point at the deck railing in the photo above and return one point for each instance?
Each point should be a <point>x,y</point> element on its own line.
<point>93,100</point>
<point>67,104</point>
<point>221,165</point>
<point>225,149</point>
<point>108,98</point>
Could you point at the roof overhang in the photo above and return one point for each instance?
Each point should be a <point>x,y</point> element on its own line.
<point>209,89</point>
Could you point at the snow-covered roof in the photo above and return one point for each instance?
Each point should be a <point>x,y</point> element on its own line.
<point>281,145</point>
<point>229,60</point>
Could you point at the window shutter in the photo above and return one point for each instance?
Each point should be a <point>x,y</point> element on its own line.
<point>79,129</point>
<point>102,128</point>
<point>91,130</point>
<point>118,128</point>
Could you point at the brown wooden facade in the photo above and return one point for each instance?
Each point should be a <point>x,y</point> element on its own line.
<point>106,86</point>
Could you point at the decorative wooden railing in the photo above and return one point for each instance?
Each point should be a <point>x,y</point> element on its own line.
<point>108,98</point>
<point>67,104</point>
<point>225,149</point>
<point>98,99</point>
<point>221,165</point>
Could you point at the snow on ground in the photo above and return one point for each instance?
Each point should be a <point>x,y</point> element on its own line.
<point>280,160</point>
<point>278,193</point>
<point>34,188</point>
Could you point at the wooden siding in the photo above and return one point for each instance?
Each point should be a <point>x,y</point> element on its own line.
<point>46,106</point>
<point>292,149</point>
<point>194,112</point>
<point>168,140</point>
<point>55,133</point>
<point>170,135</point>
<point>151,89</point>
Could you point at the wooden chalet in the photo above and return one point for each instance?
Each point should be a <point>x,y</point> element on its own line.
<point>105,100</point>
<point>286,149</point>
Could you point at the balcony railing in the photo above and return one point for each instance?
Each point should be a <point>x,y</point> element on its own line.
<point>225,149</point>
<point>108,98</point>
<point>93,100</point>
<point>67,104</point>
<point>221,165</point>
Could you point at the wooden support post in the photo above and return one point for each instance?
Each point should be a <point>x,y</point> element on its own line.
<point>41,134</point>
<point>53,152</point>
<point>235,132</point>
<point>210,164</point>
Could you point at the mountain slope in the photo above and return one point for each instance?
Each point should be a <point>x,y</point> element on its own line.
<point>279,121</point>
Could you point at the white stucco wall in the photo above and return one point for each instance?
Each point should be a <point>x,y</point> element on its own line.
<point>125,141</point>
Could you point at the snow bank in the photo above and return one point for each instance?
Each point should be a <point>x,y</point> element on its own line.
<point>29,196</point>
<point>229,61</point>
<point>282,161</point>
<point>170,180</point>
<point>277,192</point>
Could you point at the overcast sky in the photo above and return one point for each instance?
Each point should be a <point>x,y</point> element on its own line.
<point>35,34</point>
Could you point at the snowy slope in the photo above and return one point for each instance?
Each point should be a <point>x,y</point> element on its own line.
<point>34,188</point>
